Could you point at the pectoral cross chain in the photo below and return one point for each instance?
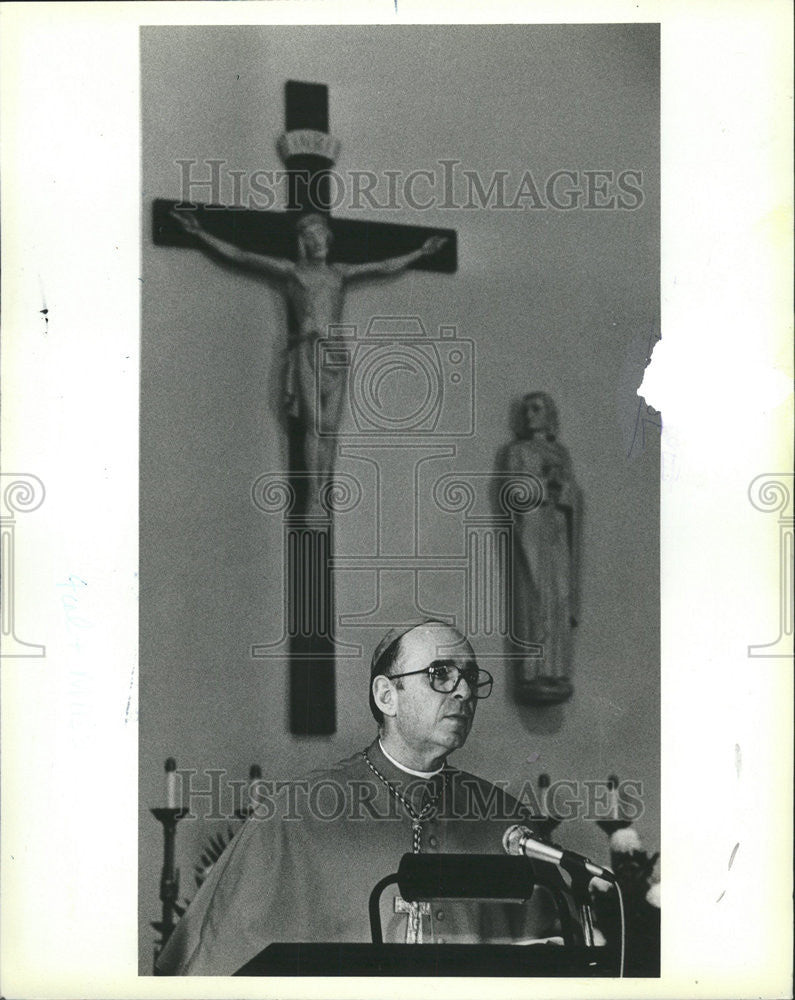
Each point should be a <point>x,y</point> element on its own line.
<point>415,911</point>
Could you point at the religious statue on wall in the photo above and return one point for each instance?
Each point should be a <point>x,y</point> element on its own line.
<point>546,555</point>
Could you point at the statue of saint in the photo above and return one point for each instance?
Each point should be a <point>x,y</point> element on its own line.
<point>315,291</point>
<point>546,558</point>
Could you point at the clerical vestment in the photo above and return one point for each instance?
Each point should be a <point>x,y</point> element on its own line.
<point>302,867</point>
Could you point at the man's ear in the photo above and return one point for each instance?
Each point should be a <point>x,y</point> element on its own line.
<point>384,695</point>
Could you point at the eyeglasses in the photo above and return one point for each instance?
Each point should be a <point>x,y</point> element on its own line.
<point>445,676</point>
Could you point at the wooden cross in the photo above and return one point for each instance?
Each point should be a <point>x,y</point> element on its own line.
<point>355,240</point>
<point>415,911</point>
<point>308,151</point>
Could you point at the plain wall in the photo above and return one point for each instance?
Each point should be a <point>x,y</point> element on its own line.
<point>563,301</point>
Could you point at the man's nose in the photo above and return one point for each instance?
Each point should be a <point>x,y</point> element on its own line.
<point>463,691</point>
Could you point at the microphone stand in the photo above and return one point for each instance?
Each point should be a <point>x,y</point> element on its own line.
<point>580,883</point>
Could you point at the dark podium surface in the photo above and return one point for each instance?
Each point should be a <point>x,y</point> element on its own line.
<point>430,960</point>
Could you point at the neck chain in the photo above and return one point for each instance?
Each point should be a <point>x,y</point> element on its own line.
<point>416,817</point>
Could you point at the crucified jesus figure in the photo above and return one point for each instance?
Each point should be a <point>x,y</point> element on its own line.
<point>315,290</point>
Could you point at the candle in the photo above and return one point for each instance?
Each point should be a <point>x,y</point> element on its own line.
<point>612,797</point>
<point>171,783</point>
<point>254,775</point>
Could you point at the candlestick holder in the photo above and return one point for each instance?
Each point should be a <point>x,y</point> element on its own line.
<point>169,877</point>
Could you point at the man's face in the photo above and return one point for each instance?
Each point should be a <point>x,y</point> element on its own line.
<point>428,720</point>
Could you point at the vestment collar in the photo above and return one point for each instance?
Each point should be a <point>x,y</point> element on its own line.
<point>398,777</point>
<point>425,775</point>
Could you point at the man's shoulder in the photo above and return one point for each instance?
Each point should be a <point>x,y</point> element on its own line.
<point>479,798</point>
<point>348,767</point>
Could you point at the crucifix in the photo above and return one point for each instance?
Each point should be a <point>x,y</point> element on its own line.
<point>292,249</point>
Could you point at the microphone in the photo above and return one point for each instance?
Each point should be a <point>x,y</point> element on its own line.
<point>520,840</point>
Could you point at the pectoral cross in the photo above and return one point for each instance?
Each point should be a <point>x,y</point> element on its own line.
<point>415,911</point>
<point>308,151</point>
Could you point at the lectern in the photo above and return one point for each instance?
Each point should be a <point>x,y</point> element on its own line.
<point>422,877</point>
<point>542,960</point>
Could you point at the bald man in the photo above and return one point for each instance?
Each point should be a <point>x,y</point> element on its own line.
<point>303,866</point>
